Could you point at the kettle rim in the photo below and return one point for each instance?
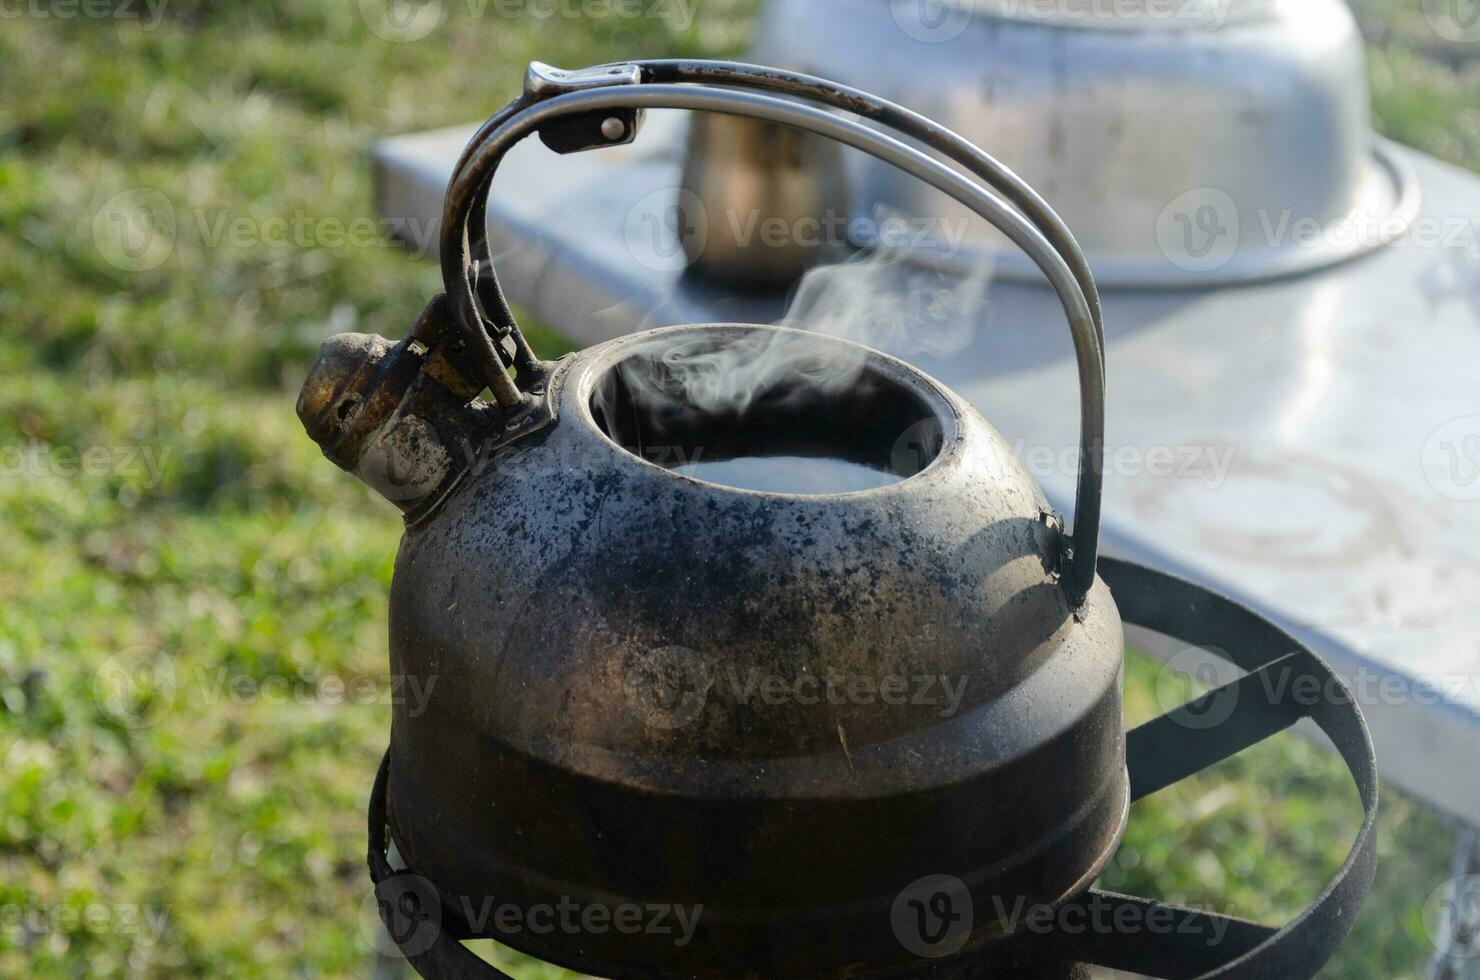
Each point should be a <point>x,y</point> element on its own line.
<point>595,364</point>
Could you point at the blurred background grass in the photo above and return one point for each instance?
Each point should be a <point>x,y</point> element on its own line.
<point>160,509</point>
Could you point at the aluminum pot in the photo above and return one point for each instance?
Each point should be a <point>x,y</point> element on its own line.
<point>1188,142</point>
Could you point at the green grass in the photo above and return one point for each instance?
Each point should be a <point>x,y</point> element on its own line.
<point>204,531</point>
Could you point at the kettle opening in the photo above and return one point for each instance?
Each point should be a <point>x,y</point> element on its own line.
<point>794,430</point>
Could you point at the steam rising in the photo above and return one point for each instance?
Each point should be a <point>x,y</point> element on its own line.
<point>875,299</point>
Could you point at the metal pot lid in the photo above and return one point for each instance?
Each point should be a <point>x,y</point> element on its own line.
<point>1187,142</point>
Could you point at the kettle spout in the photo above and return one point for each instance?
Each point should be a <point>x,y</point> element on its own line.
<point>396,415</point>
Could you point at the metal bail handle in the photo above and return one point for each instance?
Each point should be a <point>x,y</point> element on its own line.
<point>586,109</point>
